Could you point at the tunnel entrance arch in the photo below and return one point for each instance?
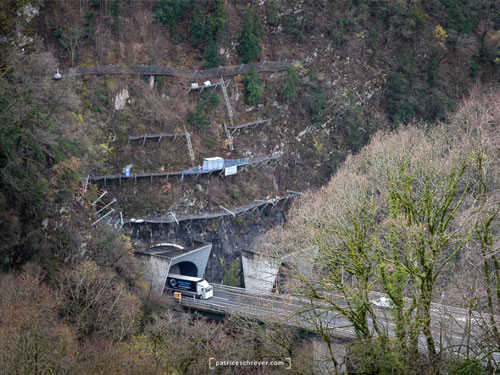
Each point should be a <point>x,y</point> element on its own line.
<point>162,258</point>
<point>184,268</point>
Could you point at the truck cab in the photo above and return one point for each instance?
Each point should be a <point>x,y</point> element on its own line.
<point>205,290</point>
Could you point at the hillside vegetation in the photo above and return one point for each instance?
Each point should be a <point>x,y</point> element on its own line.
<point>72,296</point>
<point>415,216</point>
<point>370,66</point>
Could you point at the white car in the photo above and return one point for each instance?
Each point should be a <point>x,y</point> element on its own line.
<point>383,302</point>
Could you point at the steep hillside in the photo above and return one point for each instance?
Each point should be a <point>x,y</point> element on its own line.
<point>409,224</point>
<point>365,67</point>
<point>369,67</point>
<point>72,297</point>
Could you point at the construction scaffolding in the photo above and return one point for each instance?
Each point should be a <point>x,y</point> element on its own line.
<point>229,137</point>
<point>229,112</point>
<point>203,86</point>
<point>189,144</point>
<point>258,204</point>
<point>160,136</point>
<point>195,171</point>
<point>103,204</point>
<point>106,212</point>
<point>227,164</point>
<point>135,177</point>
<point>234,128</point>
<point>226,99</point>
<point>151,70</point>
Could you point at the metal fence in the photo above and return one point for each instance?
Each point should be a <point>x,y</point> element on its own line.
<point>168,70</point>
<point>176,218</point>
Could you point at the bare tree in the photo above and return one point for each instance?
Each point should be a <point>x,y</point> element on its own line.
<point>97,302</point>
<point>70,39</point>
<point>396,219</point>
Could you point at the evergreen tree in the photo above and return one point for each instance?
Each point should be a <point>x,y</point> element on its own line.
<point>217,20</point>
<point>291,85</point>
<point>232,276</point>
<point>198,29</point>
<point>170,12</point>
<point>249,47</point>
<point>316,99</point>
<point>272,14</point>
<point>206,34</point>
<point>212,58</point>
<point>253,87</point>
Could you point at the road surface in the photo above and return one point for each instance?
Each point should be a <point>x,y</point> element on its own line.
<point>449,324</point>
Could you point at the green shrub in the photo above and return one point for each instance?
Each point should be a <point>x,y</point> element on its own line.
<point>467,366</point>
<point>474,66</point>
<point>232,275</point>
<point>217,19</point>
<point>432,74</point>
<point>292,28</point>
<point>375,38</point>
<point>197,30</point>
<point>316,100</point>
<point>212,59</point>
<point>456,17</point>
<point>380,356</point>
<point>272,14</point>
<point>249,48</point>
<point>401,101</point>
<point>210,142</point>
<point>353,123</point>
<point>253,87</point>
<point>408,96</point>
<point>169,13</point>
<point>317,104</point>
<point>208,102</point>
<point>199,119</point>
<point>116,11</point>
<point>490,52</point>
<point>97,100</point>
<point>420,18</point>
<point>337,30</point>
<point>90,24</point>
<point>296,29</point>
<point>234,192</point>
<point>206,34</point>
<point>291,84</point>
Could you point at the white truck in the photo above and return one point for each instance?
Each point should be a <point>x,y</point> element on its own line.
<point>197,287</point>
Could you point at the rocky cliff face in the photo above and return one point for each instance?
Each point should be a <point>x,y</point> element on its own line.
<point>229,236</point>
<point>368,66</point>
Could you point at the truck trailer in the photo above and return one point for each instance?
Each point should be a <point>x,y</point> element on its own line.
<point>197,287</point>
